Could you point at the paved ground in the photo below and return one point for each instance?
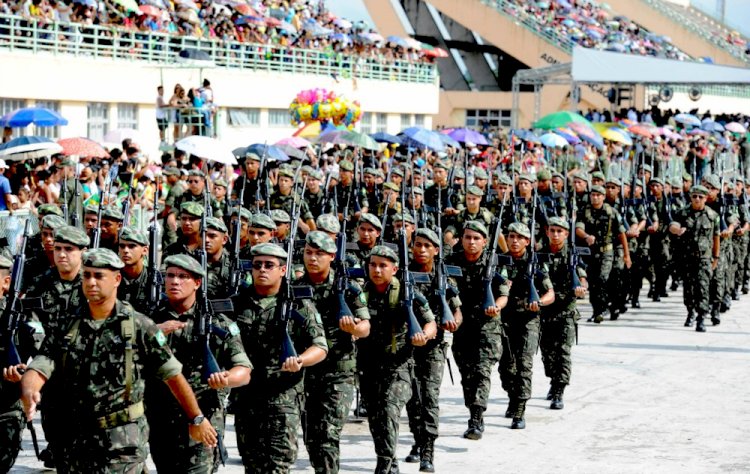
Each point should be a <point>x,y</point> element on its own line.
<point>648,395</point>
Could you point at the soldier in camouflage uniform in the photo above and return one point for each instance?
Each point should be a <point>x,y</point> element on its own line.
<point>559,320</point>
<point>373,179</point>
<point>477,342</point>
<point>176,187</point>
<point>195,193</point>
<point>329,386</point>
<point>440,187</point>
<point>284,197</point>
<point>267,411</point>
<point>283,222</point>
<point>741,238</point>
<point>429,361</point>
<point>55,297</point>
<point>385,357</point>
<point>346,192</point>
<point>190,226</point>
<point>659,248</point>
<point>390,206</point>
<point>42,257</point>
<point>171,448</point>
<point>246,218</point>
<point>134,285</point>
<point>219,259</point>
<point>316,195</point>
<point>329,224</point>
<point>415,205</point>
<point>368,231</point>
<point>73,200</point>
<point>473,211</point>
<point>101,358</point>
<point>520,320</point>
<point>598,225</point>
<point>112,218</point>
<point>248,183</point>
<point>261,230</point>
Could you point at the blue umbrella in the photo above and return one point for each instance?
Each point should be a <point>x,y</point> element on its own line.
<point>39,116</point>
<point>688,119</point>
<point>31,147</point>
<point>712,126</point>
<point>398,41</point>
<point>383,137</point>
<point>553,140</point>
<point>341,37</point>
<point>422,138</point>
<point>272,152</point>
<point>448,140</point>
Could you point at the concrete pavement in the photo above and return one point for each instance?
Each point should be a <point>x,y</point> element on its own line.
<point>647,395</point>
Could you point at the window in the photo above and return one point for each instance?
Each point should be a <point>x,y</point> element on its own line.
<point>127,116</point>
<point>49,132</point>
<point>366,123</point>
<point>278,118</point>
<point>405,121</point>
<point>382,124</point>
<point>11,105</point>
<point>98,121</point>
<point>418,120</point>
<point>478,118</point>
<point>244,117</point>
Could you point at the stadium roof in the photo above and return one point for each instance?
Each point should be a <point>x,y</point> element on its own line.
<point>592,66</point>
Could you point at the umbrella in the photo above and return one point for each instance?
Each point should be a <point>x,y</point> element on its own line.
<point>128,5</point>
<point>39,116</point>
<point>244,9</point>
<point>88,3</point>
<point>273,153</point>
<point>313,129</point>
<point>688,119</point>
<point>464,135</point>
<point>568,134</point>
<point>435,52</point>
<point>617,135</point>
<point>295,142</point>
<point>712,126</point>
<point>208,148</point>
<point>150,10</point>
<point>272,22</point>
<point>735,127</point>
<point>560,119</point>
<point>553,140</point>
<point>118,135</point>
<point>27,148</point>
<point>250,20</point>
<point>292,152</point>
<point>448,141</point>
<point>698,131</point>
<point>398,41</point>
<point>422,138</point>
<point>286,26</point>
<point>641,130</point>
<point>413,44</point>
<point>341,37</point>
<point>82,147</point>
<point>383,137</point>
<point>349,137</point>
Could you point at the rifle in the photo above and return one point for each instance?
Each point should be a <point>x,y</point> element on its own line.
<point>531,266</point>
<point>493,260</point>
<point>12,315</point>
<point>576,252</point>
<point>64,201</point>
<point>155,279</point>
<point>126,208</point>
<point>238,266</point>
<point>75,218</point>
<point>326,194</point>
<point>442,272</point>
<point>261,182</point>
<point>357,185</point>
<point>96,233</point>
<point>342,272</point>
<point>722,202</point>
<point>408,280</point>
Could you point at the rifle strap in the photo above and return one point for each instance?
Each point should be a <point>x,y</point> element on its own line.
<point>127,330</point>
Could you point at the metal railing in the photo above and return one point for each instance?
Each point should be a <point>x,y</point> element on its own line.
<point>547,33</point>
<point>92,41</point>
<point>697,27</point>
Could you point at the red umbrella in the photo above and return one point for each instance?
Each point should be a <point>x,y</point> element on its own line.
<point>150,10</point>
<point>82,147</point>
<point>435,53</point>
<point>641,130</point>
<point>244,9</point>
<point>272,22</point>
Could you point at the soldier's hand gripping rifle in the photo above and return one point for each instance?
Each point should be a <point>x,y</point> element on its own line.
<point>408,280</point>
<point>442,272</point>
<point>342,272</point>
<point>96,233</point>
<point>155,279</point>
<point>493,261</point>
<point>12,316</point>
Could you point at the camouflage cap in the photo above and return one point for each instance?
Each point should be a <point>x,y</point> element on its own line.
<point>404,217</point>
<point>216,224</point>
<point>520,229</point>
<point>280,216</point>
<point>102,258</point>
<point>171,171</point>
<point>91,209</point>
<point>480,173</point>
<point>614,181</point>
<point>739,179</point>
<point>646,168</point>
<point>598,175</point>
<point>475,190</point>
<point>321,240</point>
<point>597,189</point>
<point>712,180</point>
<point>191,208</point>
<point>506,180</point>
<point>656,180</point>
<point>131,234</point>
<point>687,176</point>
<point>113,213</point>
<point>369,170</point>
<point>581,176</point>
<point>328,223</point>
<point>5,262</point>
<point>391,186</point>
<point>379,173</point>
<point>398,171</point>
<point>67,162</point>
<point>699,189</point>
<point>268,250</point>
<point>527,177</point>
<point>441,164</point>
<point>417,190</point>
<point>196,173</point>
<point>429,235</point>
<point>384,252</point>
<point>346,165</point>
<point>459,173</point>
<point>47,209</point>
<point>557,174</point>
<point>221,182</point>
<point>252,156</point>
<point>52,222</point>
<point>675,182</point>
<point>185,262</point>
<point>244,213</point>
<point>476,226</point>
<point>544,175</point>
<point>315,174</point>
<point>287,172</point>
<point>72,235</point>
<point>262,221</point>
<point>558,222</point>
<point>367,218</point>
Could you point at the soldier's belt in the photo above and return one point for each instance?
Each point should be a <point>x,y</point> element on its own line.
<point>606,248</point>
<point>121,417</point>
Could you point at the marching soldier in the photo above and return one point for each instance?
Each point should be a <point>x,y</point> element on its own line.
<point>133,288</point>
<point>196,188</point>
<point>219,260</point>
<point>368,231</point>
<point>175,189</point>
<point>190,224</point>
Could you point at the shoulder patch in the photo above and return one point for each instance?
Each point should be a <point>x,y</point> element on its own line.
<point>161,339</point>
<point>36,327</point>
<point>234,330</point>
<point>363,299</point>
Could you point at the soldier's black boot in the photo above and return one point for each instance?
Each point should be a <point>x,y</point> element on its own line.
<point>614,313</point>
<point>512,406</point>
<point>476,424</point>
<point>394,467</point>
<point>557,398</point>
<point>699,325</point>
<point>715,319</point>
<point>413,454</point>
<point>634,303</point>
<point>428,455</point>
<point>519,423</point>
<point>689,320</point>
<point>745,289</point>
<point>551,391</point>
<point>383,466</point>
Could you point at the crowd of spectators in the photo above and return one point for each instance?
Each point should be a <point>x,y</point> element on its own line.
<point>305,24</point>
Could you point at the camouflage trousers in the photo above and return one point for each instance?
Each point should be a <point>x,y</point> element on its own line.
<point>738,263</point>
<point>696,284</point>
<point>386,391</point>
<point>659,252</point>
<point>119,450</point>
<point>558,335</point>
<point>328,398</point>
<point>517,362</point>
<point>638,271</point>
<point>720,276</point>
<point>599,268</point>
<point>11,429</point>
<point>616,289</point>
<point>267,433</point>
<point>476,349</point>
<point>423,408</point>
<point>172,448</point>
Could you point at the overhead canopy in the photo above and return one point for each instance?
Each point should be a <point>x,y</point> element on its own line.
<point>591,65</point>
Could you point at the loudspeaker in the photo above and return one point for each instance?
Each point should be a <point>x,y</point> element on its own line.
<point>666,94</point>
<point>695,94</point>
<point>654,100</point>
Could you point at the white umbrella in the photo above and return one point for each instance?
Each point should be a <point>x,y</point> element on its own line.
<point>207,148</point>
<point>735,127</point>
<point>31,147</point>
